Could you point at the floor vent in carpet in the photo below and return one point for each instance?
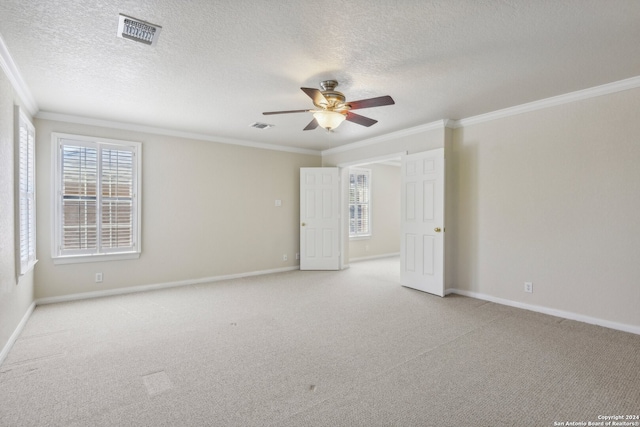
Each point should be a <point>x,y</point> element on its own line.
<point>157,383</point>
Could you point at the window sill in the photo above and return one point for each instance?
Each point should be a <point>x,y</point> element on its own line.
<point>367,237</point>
<point>28,269</point>
<point>75,259</point>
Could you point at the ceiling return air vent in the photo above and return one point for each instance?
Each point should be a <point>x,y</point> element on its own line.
<point>137,30</point>
<point>259,125</point>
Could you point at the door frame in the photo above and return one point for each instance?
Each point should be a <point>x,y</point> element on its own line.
<point>343,172</point>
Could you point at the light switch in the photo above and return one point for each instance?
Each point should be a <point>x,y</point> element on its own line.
<point>278,202</point>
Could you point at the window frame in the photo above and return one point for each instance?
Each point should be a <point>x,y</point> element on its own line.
<point>369,233</point>
<point>21,120</point>
<point>60,256</point>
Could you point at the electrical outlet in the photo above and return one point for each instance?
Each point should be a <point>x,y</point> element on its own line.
<point>528,287</point>
<point>98,277</point>
<point>285,257</point>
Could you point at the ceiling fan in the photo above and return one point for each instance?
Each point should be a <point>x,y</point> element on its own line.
<point>332,108</point>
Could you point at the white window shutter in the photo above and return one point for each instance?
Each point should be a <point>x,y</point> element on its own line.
<point>359,202</point>
<point>79,198</point>
<point>26,192</point>
<point>117,213</point>
<point>97,212</point>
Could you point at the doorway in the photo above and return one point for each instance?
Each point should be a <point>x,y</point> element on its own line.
<point>421,221</point>
<point>383,237</point>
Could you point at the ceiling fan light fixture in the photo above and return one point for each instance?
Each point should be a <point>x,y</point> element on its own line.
<point>329,120</point>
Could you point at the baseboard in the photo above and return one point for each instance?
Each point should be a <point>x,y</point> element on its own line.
<point>550,311</point>
<point>367,258</point>
<point>16,333</point>
<point>145,288</point>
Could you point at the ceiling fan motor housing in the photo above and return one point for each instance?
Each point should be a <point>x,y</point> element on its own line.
<point>335,99</point>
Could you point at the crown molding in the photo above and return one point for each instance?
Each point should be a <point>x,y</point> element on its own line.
<point>606,89</point>
<point>45,115</point>
<point>440,124</point>
<point>13,74</point>
<point>386,158</point>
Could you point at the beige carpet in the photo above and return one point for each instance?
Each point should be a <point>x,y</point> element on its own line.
<point>348,348</point>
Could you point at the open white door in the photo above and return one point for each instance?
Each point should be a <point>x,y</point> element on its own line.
<point>422,222</point>
<point>319,219</point>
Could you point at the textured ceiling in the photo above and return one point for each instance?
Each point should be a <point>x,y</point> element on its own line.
<point>218,65</point>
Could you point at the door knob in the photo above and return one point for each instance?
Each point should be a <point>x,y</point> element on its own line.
<point>437,229</point>
<point>303,224</point>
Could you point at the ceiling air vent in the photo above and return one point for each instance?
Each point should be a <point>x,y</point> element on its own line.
<point>137,30</point>
<point>259,125</point>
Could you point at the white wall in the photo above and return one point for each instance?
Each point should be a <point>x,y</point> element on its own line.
<point>208,210</point>
<point>385,214</point>
<point>16,296</point>
<point>553,197</point>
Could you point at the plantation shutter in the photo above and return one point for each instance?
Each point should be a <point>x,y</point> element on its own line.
<point>26,193</point>
<point>79,199</point>
<point>97,209</point>
<point>117,199</point>
<point>359,203</point>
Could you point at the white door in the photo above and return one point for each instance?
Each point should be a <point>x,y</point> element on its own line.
<point>422,222</point>
<point>319,219</point>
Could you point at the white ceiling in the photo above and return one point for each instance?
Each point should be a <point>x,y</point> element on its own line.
<point>219,64</point>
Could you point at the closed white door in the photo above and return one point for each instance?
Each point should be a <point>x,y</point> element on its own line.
<point>422,222</point>
<point>319,219</point>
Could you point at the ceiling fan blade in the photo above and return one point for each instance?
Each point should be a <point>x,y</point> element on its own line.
<point>312,125</point>
<point>285,112</point>
<point>361,120</point>
<point>316,95</point>
<point>371,102</point>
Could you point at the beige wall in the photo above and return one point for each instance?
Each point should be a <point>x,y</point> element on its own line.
<point>385,215</point>
<point>550,196</point>
<point>553,197</point>
<point>208,209</point>
<point>16,296</point>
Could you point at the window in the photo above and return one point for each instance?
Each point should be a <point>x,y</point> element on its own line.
<point>97,214</point>
<point>359,202</point>
<point>26,191</point>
